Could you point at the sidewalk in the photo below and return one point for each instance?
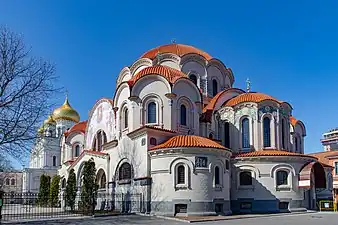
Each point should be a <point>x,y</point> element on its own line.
<point>195,219</point>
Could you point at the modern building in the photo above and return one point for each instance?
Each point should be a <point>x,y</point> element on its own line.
<point>45,155</point>
<point>180,134</point>
<point>330,140</point>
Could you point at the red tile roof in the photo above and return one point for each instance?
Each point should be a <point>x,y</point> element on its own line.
<point>177,49</point>
<point>152,128</point>
<point>78,127</point>
<point>189,141</point>
<point>270,153</point>
<point>250,97</point>
<point>293,121</point>
<point>170,74</point>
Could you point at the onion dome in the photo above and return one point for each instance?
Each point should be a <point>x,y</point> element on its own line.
<point>40,130</point>
<point>66,112</point>
<point>177,49</point>
<point>49,121</point>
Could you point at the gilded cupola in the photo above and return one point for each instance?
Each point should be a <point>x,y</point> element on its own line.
<point>49,121</point>
<point>66,112</point>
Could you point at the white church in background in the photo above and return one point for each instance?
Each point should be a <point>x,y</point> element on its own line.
<point>45,155</point>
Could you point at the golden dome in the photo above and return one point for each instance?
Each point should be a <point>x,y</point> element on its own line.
<point>66,112</point>
<point>40,130</point>
<point>49,120</point>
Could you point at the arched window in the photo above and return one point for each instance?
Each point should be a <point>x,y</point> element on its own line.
<point>283,134</point>
<point>193,78</point>
<point>54,160</point>
<point>296,145</point>
<point>214,87</point>
<point>126,118</point>
<point>183,115</point>
<point>99,141</point>
<point>227,135</point>
<point>59,131</point>
<point>12,181</point>
<point>266,132</point>
<point>125,171</point>
<point>245,178</point>
<point>102,183</point>
<point>282,177</point>
<point>7,181</point>
<point>217,176</point>
<point>180,174</point>
<point>245,133</point>
<point>77,151</point>
<point>152,112</point>
<point>153,141</point>
<point>211,136</point>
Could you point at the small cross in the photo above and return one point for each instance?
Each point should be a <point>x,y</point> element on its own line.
<point>248,85</point>
<point>173,41</point>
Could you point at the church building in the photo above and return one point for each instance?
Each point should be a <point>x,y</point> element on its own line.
<point>179,134</point>
<point>45,155</point>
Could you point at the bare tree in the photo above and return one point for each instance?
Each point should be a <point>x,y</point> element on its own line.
<point>26,86</point>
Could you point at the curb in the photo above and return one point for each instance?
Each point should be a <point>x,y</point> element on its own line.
<point>235,218</point>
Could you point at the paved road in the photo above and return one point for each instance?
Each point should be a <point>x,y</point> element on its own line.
<point>296,219</point>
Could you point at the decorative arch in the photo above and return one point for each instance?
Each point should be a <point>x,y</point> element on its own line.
<point>306,180</point>
<point>119,89</point>
<point>101,178</point>
<point>216,162</point>
<point>176,161</point>
<point>136,88</point>
<point>148,99</point>
<point>189,108</point>
<point>191,84</point>
<point>222,68</point>
<point>79,174</point>
<point>251,168</point>
<point>119,164</point>
<point>283,166</point>
<point>138,63</point>
<point>125,72</point>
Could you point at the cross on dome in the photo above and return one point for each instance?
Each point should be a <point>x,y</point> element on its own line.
<point>248,85</point>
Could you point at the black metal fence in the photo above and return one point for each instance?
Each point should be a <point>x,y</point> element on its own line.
<point>25,206</point>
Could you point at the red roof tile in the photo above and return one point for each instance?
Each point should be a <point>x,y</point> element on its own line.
<point>270,153</point>
<point>177,49</point>
<point>152,128</point>
<point>170,74</point>
<point>250,97</point>
<point>189,141</point>
<point>79,127</point>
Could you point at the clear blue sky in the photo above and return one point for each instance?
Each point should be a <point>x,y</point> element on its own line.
<point>289,49</point>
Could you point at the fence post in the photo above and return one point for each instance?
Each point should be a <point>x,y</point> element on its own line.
<point>1,203</point>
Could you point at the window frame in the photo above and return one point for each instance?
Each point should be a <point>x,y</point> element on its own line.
<point>243,146</point>
<point>283,187</point>
<point>239,176</point>
<point>122,176</point>
<point>156,112</point>
<point>184,185</point>
<point>183,116</point>
<point>54,160</point>
<point>267,132</point>
<point>336,168</point>
<point>213,83</point>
